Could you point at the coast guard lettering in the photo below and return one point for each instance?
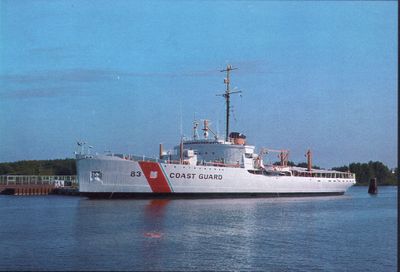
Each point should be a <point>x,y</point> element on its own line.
<point>193,176</point>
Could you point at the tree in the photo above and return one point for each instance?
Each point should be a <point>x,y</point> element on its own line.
<point>365,171</point>
<point>343,168</point>
<point>42,167</point>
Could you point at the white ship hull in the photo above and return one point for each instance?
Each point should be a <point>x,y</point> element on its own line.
<point>109,176</point>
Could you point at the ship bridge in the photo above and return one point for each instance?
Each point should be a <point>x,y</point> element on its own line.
<point>234,152</point>
<point>219,151</point>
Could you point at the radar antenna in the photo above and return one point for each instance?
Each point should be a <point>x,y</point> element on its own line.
<point>227,95</point>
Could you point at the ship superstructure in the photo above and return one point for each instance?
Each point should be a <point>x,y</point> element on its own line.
<point>205,166</point>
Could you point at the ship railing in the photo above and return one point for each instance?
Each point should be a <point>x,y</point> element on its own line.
<point>133,157</point>
<point>142,158</point>
<point>57,180</point>
<point>201,163</point>
<point>220,164</point>
<point>185,162</point>
<point>327,174</point>
<point>174,162</point>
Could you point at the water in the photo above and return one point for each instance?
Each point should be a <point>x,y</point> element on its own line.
<point>354,232</point>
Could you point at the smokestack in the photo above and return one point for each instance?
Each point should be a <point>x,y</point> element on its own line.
<point>309,160</point>
<point>205,124</point>
<point>161,151</point>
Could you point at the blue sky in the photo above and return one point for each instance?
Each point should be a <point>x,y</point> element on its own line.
<point>120,74</point>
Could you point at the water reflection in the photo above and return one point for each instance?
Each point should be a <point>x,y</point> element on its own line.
<point>242,234</point>
<point>154,218</point>
<point>154,238</point>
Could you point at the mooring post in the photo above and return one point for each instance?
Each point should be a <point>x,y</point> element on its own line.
<point>373,186</point>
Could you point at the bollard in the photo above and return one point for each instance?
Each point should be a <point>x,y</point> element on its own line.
<point>373,187</point>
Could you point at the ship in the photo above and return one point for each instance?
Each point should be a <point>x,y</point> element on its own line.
<point>207,166</point>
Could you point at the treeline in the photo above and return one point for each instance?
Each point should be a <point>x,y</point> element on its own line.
<point>39,167</point>
<point>365,171</point>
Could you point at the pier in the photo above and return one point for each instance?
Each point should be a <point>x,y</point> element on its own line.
<point>37,185</point>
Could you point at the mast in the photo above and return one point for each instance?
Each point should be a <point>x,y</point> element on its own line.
<point>227,95</point>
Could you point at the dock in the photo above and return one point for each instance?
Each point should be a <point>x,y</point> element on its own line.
<point>38,185</point>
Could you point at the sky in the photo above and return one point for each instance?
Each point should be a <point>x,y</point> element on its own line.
<point>125,76</point>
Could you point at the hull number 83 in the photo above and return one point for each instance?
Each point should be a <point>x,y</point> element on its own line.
<point>136,174</point>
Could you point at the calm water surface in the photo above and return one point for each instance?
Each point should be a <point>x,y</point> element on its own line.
<point>354,232</point>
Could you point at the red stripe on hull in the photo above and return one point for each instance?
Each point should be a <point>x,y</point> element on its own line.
<point>155,177</point>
